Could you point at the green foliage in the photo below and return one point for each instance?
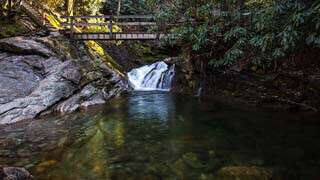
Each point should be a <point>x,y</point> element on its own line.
<point>235,33</point>
<point>282,28</point>
<point>130,7</point>
<point>81,7</point>
<point>271,31</point>
<point>53,4</point>
<point>229,57</point>
<point>3,8</point>
<point>88,7</point>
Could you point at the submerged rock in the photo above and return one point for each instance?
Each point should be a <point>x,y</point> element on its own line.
<point>244,173</point>
<point>33,84</point>
<point>14,173</point>
<point>192,160</point>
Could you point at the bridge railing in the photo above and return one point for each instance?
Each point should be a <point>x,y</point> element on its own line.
<point>132,22</point>
<point>107,20</point>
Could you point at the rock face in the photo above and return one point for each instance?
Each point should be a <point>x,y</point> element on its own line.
<point>131,54</point>
<point>186,79</point>
<point>21,45</point>
<point>34,80</point>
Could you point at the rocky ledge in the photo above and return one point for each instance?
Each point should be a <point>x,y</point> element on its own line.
<point>35,79</point>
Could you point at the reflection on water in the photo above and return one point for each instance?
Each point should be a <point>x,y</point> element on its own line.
<point>163,136</point>
<point>148,105</point>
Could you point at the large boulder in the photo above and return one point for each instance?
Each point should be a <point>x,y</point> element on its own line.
<point>19,75</point>
<point>50,90</point>
<point>34,84</point>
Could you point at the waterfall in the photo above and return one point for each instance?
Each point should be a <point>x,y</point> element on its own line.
<point>157,76</point>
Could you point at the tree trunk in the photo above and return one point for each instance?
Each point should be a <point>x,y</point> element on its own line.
<point>9,8</point>
<point>70,5</point>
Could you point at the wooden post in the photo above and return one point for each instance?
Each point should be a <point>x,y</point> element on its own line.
<point>110,26</point>
<point>224,5</point>
<point>159,28</point>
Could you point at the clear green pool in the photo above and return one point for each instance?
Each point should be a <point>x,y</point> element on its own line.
<point>156,135</point>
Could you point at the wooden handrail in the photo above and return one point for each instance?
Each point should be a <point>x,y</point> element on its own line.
<point>110,16</point>
<point>64,24</point>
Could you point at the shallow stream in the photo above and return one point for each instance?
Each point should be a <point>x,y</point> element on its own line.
<point>160,135</point>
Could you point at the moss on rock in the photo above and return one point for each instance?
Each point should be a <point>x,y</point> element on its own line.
<point>244,173</point>
<point>10,28</point>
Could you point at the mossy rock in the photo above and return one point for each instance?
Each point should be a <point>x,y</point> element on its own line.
<point>45,165</point>
<point>192,160</point>
<point>244,173</point>
<point>180,168</point>
<point>10,29</point>
<point>314,84</point>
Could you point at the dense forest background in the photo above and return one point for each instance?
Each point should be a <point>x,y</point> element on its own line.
<point>264,34</point>
<point>257,32</point>
<point>224,33</point>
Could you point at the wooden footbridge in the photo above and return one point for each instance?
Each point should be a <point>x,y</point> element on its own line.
<point>125,27</point>
<point>105,27</point>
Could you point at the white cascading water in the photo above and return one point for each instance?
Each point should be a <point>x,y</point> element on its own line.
<point>157,76</point>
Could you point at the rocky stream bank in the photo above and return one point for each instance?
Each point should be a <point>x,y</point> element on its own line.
<point>291,89</point>
<point>40,75</point>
